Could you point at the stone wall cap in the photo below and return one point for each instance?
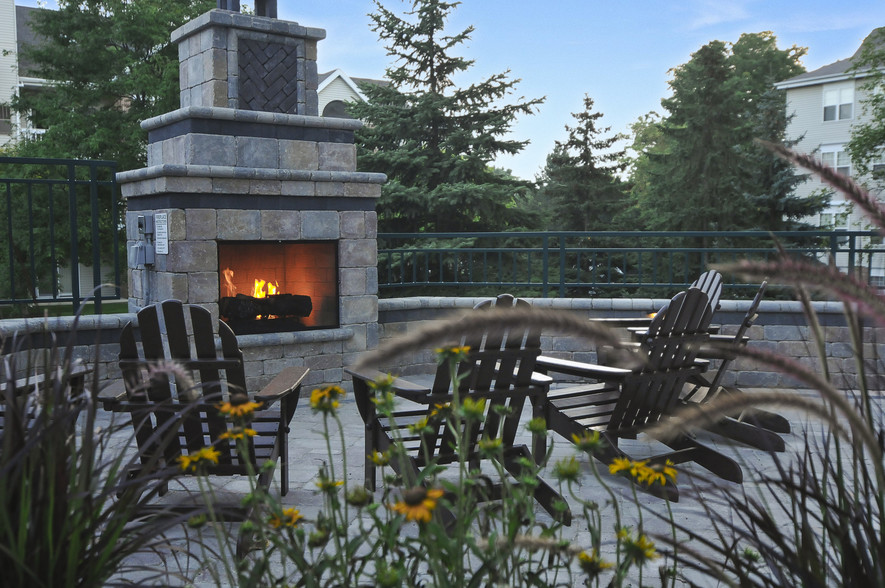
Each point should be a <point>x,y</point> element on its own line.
<point>247,173</point>
<point>28,326</point>
<point>622,304</point>
<point>251,116</point>
<point>227,19</point>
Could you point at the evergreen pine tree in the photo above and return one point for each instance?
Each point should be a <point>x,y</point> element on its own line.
<point>434,140</point>
<point>692,184</point>
<point>579,182</point>
<point>700,169</point>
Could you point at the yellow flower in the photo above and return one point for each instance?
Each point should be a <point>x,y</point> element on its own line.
<point>238,433</point>
<point>379,459</point>
<point>382,383</point>
<point>588,441</point>
<point>418,504</point>
<point>326,399</point>
<point>239,411</point>
<point>473,408</point>
<point>440,409</point>
<point>490,445</point>
<point>657,473</point>
<point>592,564</point>
<point>638,550</point>
<point>567,470</point>
<point>419,427</point>
<point>453,352</point>
<point>358,496</point>
<point>288,518</point>
<point>192,461</point>
<point>327,485</point>
<point>537,426</point>
<point>620,464</point>
<point>644,473</point>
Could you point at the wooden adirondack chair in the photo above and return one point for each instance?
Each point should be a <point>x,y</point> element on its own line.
<point>754,427</point>
<point>499,368</point>
<point>187,398</point>
<point>709,282</point>
<point>624,401</point>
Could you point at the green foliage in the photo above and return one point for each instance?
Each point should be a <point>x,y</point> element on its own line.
<point>579,182</point>
<point>698,168</point>
<point>112,66</point>
<point>72,497</point>
<point>434,529</point>
<point>868,135</point>
<point>47,210</point>
<point>435,140</point>
<point>832,490</point>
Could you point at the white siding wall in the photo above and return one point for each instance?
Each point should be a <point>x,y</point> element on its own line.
<point>8,56</point>
<point>336,90</point>
<point>806,106</point>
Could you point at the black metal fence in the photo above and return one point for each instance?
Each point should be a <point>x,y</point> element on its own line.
<point>611,264</point>
<point>61,231</point>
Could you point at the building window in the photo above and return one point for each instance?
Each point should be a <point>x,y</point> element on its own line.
<point>836,157</point>
<point>839,101</point>
<point>878,164</point>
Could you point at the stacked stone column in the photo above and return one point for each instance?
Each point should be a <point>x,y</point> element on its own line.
<point>246,158</point>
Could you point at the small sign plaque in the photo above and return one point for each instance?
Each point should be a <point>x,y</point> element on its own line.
<point>161,226</point>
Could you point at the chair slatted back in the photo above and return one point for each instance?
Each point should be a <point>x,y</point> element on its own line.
<point>200,380</point>
<point>670,349</point>
<point>710,283</point>
<point>498,368</point>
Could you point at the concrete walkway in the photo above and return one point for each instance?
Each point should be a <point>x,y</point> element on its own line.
<point>309,452</point>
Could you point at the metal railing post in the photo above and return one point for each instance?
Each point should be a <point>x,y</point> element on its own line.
<point>75,252</point>
<point>561,265</point>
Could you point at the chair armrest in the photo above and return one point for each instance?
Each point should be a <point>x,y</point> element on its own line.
<point>542,380</point>
<point>286,382</point>
<point>624,322</point>
<point>112,395</point>
<point>401,387</point>
<point>584,370</point>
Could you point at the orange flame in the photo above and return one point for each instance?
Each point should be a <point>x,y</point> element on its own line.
<point>263,288</point>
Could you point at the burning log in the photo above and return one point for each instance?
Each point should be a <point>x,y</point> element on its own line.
<point>242,306</point>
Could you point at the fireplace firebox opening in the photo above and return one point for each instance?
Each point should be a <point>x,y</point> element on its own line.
<point>268,287</point>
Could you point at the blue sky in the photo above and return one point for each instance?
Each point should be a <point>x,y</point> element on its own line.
<point>619,52</point>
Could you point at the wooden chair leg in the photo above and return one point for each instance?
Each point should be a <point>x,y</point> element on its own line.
<point>368,448</point>
<point>545,494</point>
<point>710,459</point>
<point>282,440</point>
<point>766,420</point>
<point>748,434</point>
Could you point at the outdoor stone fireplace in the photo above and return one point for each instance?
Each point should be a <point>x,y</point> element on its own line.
<point>246,183</point>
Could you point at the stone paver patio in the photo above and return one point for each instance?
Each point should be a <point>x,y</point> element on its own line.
<point>308,452</point>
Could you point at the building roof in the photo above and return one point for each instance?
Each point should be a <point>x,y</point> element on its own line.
<point>841,70</point>
<point>325,78</point>
<point>26,37</point>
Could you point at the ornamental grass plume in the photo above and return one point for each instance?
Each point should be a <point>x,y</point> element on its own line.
<point>817,520</point>
<point>873,209</point>
<point>496,321</point>
<point>76,504</point>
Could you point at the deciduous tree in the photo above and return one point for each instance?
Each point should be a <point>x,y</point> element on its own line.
<point>867,144</point>
<point>112,65</point>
